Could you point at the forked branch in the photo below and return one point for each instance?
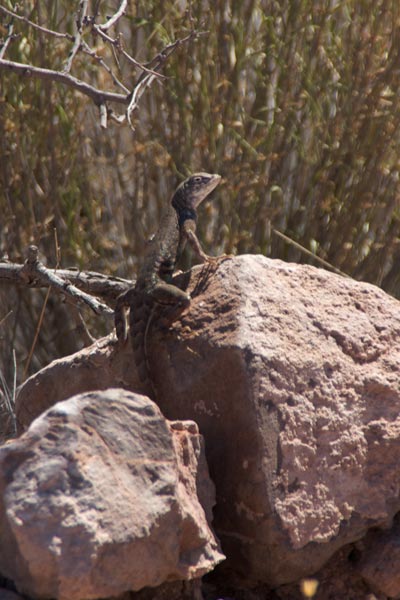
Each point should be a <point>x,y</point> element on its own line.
<point>80,288</point>
<point>86,24</point>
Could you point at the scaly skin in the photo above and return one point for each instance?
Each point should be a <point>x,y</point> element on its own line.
<point>154,298</point>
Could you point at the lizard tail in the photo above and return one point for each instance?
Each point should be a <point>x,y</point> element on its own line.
<point>141,317</point>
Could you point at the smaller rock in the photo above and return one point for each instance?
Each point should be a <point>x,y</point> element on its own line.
<point>101,496</point>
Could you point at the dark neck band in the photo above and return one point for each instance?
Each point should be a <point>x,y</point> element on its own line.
<point>185,214</point>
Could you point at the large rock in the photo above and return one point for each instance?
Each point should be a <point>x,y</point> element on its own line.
<point>101,495</point>
<point>292,374</point>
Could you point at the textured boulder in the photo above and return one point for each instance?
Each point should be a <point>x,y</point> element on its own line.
<point>96,367</point>
<point>292,374</point>
<point>101,495</point>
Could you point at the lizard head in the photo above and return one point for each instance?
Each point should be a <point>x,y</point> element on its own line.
<point>195,188</point>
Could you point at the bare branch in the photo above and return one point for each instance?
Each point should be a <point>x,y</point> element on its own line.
<point>116,43</point>
<point>8,39</point>
<point>106,287</point>
<point>37,331</point>
<point>80,326</point>
<point>120,12</point>
<point>114,117</point>
<point>15,15</point>
<point>137,94</point>
<point>166,52</point>
<point>317,258</point>
<point>130,98</point>
<point>99,29</point>
<point>95,9</point>
<point>98,96</point>
<point>34,271</point>
<point>77,43</point>
<point>103,116</point>
<point>147,79</point>
<point>85,48</point>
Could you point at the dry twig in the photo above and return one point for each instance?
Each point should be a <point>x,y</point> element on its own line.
<point>81,17</point>
<point>7,41</point>
<point>112,20</point>
<point>98,96</point>
<point>97,284</point>
<point>34,273</point>
<point>131,96</point>
<point>318,259</point>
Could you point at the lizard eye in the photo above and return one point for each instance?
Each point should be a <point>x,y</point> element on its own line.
<point>197,179</point>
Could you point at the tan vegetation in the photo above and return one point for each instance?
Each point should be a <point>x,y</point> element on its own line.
<point>294,103</point>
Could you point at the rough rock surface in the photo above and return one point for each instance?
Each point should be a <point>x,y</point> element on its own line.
<point>101,495</point>
<point>292,374</point>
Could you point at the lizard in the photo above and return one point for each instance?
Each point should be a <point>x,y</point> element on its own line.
<point>154,297</point>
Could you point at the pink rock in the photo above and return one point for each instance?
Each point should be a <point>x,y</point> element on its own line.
<point>99,497</point>
<point>292,374</point>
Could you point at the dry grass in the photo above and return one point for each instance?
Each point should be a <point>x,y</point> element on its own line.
<point>294,103</point>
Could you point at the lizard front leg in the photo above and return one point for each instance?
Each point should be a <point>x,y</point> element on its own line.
<point>189,233</point>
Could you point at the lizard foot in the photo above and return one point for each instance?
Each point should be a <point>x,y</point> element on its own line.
<point>210,265</point>
<point>215,260</point>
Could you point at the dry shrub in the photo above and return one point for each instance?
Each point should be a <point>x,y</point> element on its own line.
<point>295,103</point>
